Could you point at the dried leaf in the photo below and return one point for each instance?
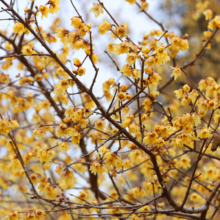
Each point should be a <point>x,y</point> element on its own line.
<point>216,142</point>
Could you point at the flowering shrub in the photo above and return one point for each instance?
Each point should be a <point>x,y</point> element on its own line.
<point>140,151</point>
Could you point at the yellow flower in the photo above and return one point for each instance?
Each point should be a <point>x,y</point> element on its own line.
<point>144,6</point>
<point>176,41</point>
<point>134,128</point>
<point>95,58</point>
<point>210,172</point>
<point>128,96</point>
<point>186,88</point>
<point>184,45</point>
<point>67,179</point>
<point>80,44</point>
<point>208,14</point>
<point>54,6</point>
<point>100,124</point>
<point>179,93</point>
<point>216,116</point>
<point>124,88</point>
<point>59,169</point>
<point>214,23</point>
<point>160,142</point>
<point>39,214</point>
<point>81,71</point>
<point>63,146</point>
<point>207,34</point>
<point>8,46</point>
<point>146,208</point>
<point>19,28</point>
<point>103,28</point>
<point>150,138</point>
<point>136,74</point>
<point>76,22</point>
<point>34,178</point>
<point>83,29</point>
<point>45,75</point>
<point>154,78</point>
<point>97,9</point>
<point>64,34</point>
<point>44,10</point>
<point>204,133</point>
<point>112,160</point>
<point>131,1</point>
<point>194,197</point>
<point>144,117</point>
<point>15,162</point>
<point>96,167</point>
<point>196,119</point>
<point>46,166</point>
<point>122,48</point>
<point>71,37</point>
<point>77,115</point>
<point>136,192</point>
<point>111,48</point>
<point>135,156</point>
<point>177,44</point>
<point>50,38</point>
<point>63,84</point>
<point>77,62</point>
<point>147,103</point>
<point>4,78</point>
<point>127,163</point>
<point>83,123</point>
<point>131,58</point>
<point>27,50</point>
<point>126,70</point>
<point>139,191</point>
<point>185,161</point>
<point>44,155</point>
<point>193,95</point>
<point>38,132</point>
<point>127,121</point>
<point>83,196</point>
<point>150,61</point>
<point>38,77</point>
<point>13,215</point>
<point>121,96</point>
<point>145,51</point>
<point>176,72</point>
<point>87,112</point>
<point>76,138</point>
<point>121,31</point>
